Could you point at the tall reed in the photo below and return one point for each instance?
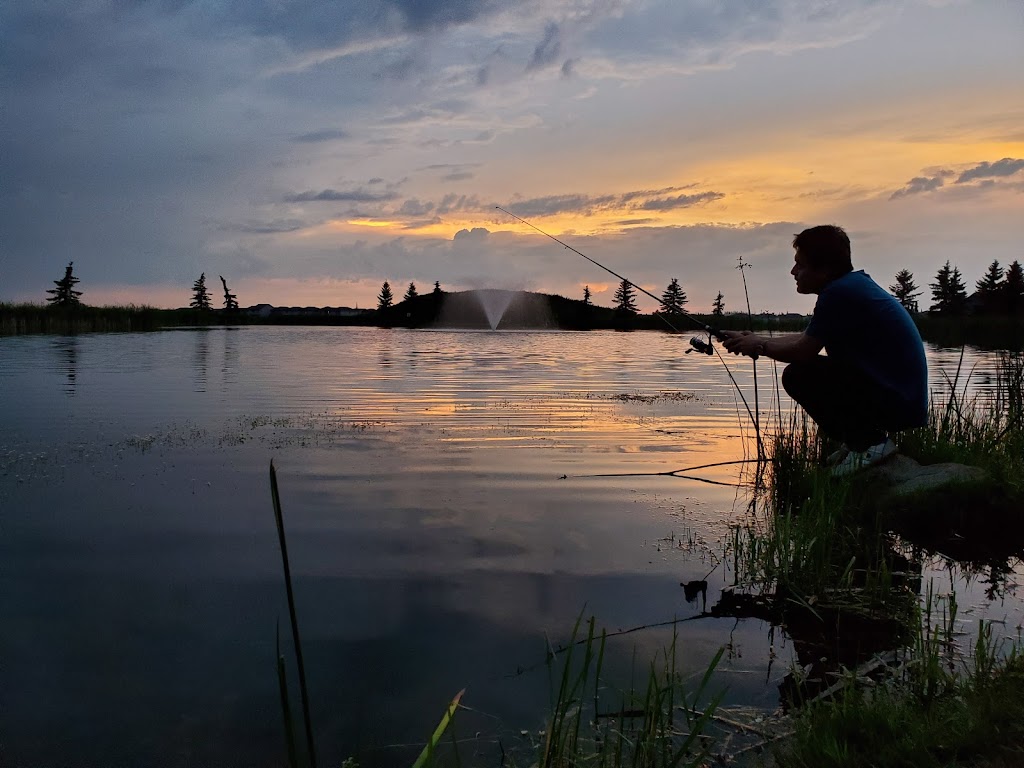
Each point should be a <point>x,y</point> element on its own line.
<point>661,726</point>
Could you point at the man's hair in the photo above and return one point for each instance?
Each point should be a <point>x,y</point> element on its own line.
<point>825,247</point>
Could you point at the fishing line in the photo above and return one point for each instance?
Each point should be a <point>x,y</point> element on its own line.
<point>696,343</point>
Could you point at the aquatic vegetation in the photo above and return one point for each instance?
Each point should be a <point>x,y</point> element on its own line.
<point>815,551</point>
<point>660,724</point>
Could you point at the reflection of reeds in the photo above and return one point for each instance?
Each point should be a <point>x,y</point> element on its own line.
<point>659,726</point>
<point>426,756</point>
<point>304,693</point>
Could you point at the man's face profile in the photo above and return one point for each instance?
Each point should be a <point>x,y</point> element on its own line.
<point>808,278</point>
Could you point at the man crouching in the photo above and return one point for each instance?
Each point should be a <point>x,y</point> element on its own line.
<point>873,380</point>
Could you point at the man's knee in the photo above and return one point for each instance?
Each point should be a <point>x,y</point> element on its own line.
<point>795,378</point>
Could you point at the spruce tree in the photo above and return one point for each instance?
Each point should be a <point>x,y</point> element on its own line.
<point>586,295</point>
<point>673,299</point>
<point>437,287</point>
<point>230,299</point>
<point>65,295</point>
<point>385,298</point>
<point>718,307</point>
<point>410,292</point>
<point>905,290</point>
<point>625,298</point>
<point>948,291</point>
<point>1013,288</point>
<point>200,297</point>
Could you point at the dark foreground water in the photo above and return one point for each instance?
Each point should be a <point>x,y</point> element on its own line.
<point>443,523</point>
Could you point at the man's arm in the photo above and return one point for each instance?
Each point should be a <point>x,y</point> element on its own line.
<point>785,349</point>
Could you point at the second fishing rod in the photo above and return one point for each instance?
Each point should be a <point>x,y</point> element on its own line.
<point>696,343</point>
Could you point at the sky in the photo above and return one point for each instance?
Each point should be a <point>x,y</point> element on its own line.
<point>308,151</point>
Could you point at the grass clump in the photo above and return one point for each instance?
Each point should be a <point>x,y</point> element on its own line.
<point>593,723</point>
<point>984,430</point>
<point>926,715</point>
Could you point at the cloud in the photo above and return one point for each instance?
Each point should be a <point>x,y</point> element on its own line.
<point>413,207</point>
<point>315,137</point>
<point>985,171</point>
<point>680,201</point>
<point>452,203</point>
<point>1005,167</point>
<point>334,196</point>
<point>638,200</point>
<point>920,184</point>
<point>547,50</point>
<point>477,233</point>
<point>270,227</point>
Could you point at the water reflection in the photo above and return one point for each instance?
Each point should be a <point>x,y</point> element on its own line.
<point>200,359</point>
<point>67,348</point>
<point>445,500</point>
<point>229,366</point>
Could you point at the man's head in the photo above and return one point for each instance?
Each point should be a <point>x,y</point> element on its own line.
<point>822,255</point>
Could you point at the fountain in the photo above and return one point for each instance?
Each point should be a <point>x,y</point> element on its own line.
<point>494,303</point>
<point>494,309</point>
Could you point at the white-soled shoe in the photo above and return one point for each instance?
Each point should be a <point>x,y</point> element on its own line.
<point>857,460</point>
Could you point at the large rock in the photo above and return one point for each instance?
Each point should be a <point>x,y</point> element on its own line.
<point>906,476</point>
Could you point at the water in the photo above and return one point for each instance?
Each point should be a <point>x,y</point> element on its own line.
<point>443,521</point>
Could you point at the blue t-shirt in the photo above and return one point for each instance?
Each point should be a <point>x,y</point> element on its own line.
<point>862,324</point>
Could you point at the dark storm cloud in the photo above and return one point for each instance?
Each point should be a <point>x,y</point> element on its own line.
<point>547,50</point>
<point>920,184</point>
<point>318,136</point>
<point>334,196</point>
<point>1005,167</point>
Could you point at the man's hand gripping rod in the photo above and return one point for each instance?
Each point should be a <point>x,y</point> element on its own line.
<point>698,344</point>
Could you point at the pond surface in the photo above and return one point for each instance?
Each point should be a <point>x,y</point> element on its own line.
<point>446,519</point>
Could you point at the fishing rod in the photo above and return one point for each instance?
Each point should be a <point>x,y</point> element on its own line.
<point>697,344</point>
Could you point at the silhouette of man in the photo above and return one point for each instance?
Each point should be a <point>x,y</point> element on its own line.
<point>873,380</point>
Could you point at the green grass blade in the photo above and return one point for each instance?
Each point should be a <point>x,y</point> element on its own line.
<point>428,750</point>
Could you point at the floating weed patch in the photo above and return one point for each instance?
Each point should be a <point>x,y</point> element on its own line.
<point>636,397</point>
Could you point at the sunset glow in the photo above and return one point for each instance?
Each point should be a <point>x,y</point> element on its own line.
<point>667,138</point>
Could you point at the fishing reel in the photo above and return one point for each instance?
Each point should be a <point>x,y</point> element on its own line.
<point>697,344</point>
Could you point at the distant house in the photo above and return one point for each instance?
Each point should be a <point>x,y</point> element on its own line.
<point>267,311</point>
<point>260,310</point>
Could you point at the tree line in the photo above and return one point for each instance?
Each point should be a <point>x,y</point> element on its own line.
<point>386,297</point>
<point>65,295</point>
<point>999,292</point>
